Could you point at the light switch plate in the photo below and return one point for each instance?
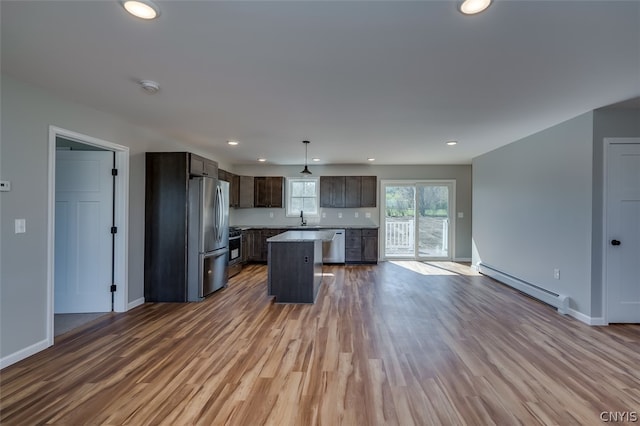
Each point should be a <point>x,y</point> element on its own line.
<point>5,185</point>
<point>21,226</point>
<point>460,215</point>
<point>367,215</point>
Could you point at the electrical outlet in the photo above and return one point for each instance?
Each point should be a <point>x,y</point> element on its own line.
<point>339,215</point>
<point>556,273</point>
<point>356,215</point>
<point>324,214</point>
<point>460,215</point>
<point>367,215</point>
<point>5,185</point>
<point>271,215</point>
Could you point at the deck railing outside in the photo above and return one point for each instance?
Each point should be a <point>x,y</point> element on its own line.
<point>399,236</point>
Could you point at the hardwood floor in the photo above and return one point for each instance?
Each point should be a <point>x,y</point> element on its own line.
<point>400,343</point>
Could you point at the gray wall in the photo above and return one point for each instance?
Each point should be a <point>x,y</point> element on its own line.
<point>461,173</point>
<point>27,113</point>
<point>532,207</point>
<point>538,205</point>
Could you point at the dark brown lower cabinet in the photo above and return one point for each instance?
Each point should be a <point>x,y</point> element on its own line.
<point>361,246</point>
<point>370,245</point>
<point>353,246</point>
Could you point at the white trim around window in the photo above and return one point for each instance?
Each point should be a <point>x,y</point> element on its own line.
<point>303,194</point>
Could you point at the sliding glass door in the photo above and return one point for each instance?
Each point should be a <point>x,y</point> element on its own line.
<point>417,218</point>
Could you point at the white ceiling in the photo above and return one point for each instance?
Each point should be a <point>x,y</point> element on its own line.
<point>392,80</point>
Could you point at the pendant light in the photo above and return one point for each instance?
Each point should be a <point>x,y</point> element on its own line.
<point>305,171</point>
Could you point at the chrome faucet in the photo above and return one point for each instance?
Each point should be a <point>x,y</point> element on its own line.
<point>302,221</point>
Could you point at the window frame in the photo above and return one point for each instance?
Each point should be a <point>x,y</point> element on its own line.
<point>288,197</point>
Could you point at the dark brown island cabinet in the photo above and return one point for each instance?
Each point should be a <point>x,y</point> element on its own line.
<point>166,227</point>
<point>295,265</point>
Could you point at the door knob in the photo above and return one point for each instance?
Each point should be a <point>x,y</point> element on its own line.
<point>615,242</point>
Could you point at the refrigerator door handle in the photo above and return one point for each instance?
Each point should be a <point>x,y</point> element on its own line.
<point>222,204</point>
<point>219,213</point>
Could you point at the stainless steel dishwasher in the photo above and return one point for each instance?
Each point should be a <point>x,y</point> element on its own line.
<point>333,251</point>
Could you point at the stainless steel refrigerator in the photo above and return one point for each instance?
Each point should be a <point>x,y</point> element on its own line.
<point>208,240</point>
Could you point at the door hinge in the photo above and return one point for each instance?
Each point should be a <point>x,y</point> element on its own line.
<point>114,172</point>
<point>114,229</point>
<point>113,288</point>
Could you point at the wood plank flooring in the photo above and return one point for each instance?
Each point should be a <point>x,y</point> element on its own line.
<point>399,343</point>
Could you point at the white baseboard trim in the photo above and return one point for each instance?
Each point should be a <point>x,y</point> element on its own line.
<point>24,353</point>
<point>135,303</point>
<point>585,318</point>
<point>559,301</point>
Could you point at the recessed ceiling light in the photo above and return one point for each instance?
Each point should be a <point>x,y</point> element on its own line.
<point>451,143</point>
<point>371,159</point>
<point>142,9</point>
<point>315,159</point>
<point>262,160</point>
<point>232,142</point>
<point>471,7</point>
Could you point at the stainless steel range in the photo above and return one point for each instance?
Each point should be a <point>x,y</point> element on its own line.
<point>235,250</point>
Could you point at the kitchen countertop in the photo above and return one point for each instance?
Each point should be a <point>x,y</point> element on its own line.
<point>298,236</point>
<point>308,227</point>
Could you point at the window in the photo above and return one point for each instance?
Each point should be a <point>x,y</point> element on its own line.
<point>302,195</point>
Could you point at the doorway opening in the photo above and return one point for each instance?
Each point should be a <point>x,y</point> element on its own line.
<point>417,218</point>
<point>87,229</point>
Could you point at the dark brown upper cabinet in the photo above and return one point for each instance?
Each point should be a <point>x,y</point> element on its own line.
<point>234,186</point>
<point>268,191</point>
<point>368,191</point>
<point>246,192</point>
<point>200,166</point>
<point>332,191</point>
<point>348,191</point>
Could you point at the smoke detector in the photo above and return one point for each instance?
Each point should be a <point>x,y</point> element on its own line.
<point>149,86</point>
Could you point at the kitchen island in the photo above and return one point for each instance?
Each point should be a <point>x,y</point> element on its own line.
<point>295,265</point>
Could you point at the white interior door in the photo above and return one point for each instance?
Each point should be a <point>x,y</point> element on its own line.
<point>623,232</point>
<point>83,241</point>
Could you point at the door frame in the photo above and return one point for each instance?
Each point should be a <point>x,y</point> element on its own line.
<point>121,219</point>
<point>452,216</point>
<point>605,220</point>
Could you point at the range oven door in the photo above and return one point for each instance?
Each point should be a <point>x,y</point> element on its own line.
<point>235,255</point>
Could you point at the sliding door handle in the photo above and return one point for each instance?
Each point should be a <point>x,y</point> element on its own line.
<point>615,243</point>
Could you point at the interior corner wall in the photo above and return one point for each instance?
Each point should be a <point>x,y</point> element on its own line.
<point>27,112</point>
<point>532,209</point>
<point>608,123</point>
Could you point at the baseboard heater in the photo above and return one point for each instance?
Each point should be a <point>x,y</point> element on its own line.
<point>559,301</point>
